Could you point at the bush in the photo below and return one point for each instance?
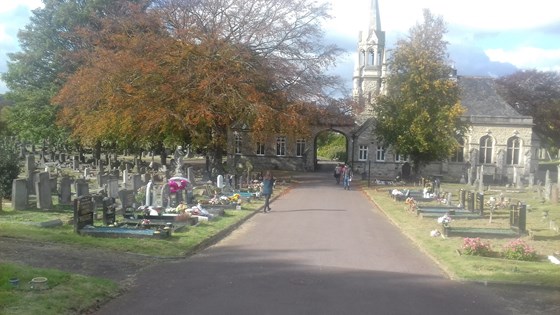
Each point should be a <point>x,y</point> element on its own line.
<point>9,165</point>
<point>475,247</point>
<point>519,250</point>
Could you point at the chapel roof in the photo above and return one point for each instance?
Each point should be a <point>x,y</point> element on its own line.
<point>480,98</point>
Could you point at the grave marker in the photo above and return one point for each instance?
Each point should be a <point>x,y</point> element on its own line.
<point>65,191</point>
<point>81,187</point>
<point>83,212</point>
<point>43,191</point>
<point>109,211</point>
<point>20,194</point>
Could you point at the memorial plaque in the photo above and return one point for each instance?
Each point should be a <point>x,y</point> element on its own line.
<point>83,212</point>
<point>109,210</point>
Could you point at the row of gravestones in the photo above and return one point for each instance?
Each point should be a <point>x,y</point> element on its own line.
<point>475,203</point>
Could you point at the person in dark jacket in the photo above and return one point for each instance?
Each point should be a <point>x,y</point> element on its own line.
<point>267,188</point>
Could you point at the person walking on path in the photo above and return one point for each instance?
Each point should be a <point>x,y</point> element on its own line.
<point>267,187</point>
<point>337,171</point>
<point>346,176</point>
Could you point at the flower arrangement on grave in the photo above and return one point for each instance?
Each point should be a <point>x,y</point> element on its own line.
<point>236,198</point>
<point>410,204</point>
<point>519,250</point>
<point>476,247</point>
<point>444,220</point>
<point>177,184</point>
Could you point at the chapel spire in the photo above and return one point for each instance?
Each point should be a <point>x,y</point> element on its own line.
<point>374,20</point>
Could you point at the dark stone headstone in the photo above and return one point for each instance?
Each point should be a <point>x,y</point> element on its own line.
<point>480,203</point>
<point>109,210</point>
<point>518,217</point>
<point>83,212</point>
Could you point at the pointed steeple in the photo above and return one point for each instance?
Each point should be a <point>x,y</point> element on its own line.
<point>374,20</point>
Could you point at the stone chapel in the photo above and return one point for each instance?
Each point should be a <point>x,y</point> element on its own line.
<point>500,145</point>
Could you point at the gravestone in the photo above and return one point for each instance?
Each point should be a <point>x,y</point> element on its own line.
<point>462,198</point>
<point>65,191</point>
<point>76,163</point>
<point>518,217</point>
<point>149,194</point>
<point>30,167</point>
<point>481,179</point>
<point>125,178</point>
<point>127,199</point>
<point>190,174</point>
<point>20,194</point>
<point>547,186</point>
<point>480,203</point>
<point>136,182</point>
<point>113,187</point>
<point>81,187</point>
<point>83,212</point>
<point>43,191</point>
<point>54,184</point>
<point>470,201</point>
<point>102,179</point>
<point>166,196</point>
<point>109,211</point>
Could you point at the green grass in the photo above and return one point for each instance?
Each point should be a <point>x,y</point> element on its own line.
<point>445,251</point>
<point>72,294</point>
<point>66,293</point>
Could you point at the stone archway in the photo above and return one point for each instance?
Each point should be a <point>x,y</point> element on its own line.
<point>322,165</point>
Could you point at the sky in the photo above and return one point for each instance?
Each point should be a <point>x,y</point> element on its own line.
<point>486,37</point>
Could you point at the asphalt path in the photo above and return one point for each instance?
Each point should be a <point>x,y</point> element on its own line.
<point>321,250</point>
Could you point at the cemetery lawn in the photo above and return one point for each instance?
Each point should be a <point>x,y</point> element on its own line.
<point>67,293</point>
<point>22,241</point>
<point>448,252</point>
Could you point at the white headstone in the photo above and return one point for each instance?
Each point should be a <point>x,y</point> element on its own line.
<point>220,181</point>
<point>149,193</point>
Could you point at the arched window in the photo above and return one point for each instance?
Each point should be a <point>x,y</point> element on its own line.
<point>486,145</point>
<point>513,151</point>
<point>362,58</point>
<point>371,56</point>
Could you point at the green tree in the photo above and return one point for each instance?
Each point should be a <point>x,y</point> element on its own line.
<point>537,94</point>
<point>9,165</point>
<point>419,116</point>
<point>39,70</point>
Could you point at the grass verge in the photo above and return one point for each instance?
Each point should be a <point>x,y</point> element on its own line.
<point>447,252</point>
<point>74,294</point>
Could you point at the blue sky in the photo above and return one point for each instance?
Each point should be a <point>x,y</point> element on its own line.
<point>486,37</point>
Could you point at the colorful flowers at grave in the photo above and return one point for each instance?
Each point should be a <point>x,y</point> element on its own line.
<point>476,247</point>
<point>177,184</point>
<point>519,250</point>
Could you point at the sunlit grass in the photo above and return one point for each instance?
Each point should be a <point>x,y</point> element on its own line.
<point>447,251</point>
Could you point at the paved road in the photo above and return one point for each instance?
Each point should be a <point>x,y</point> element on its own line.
<point>321,250</point>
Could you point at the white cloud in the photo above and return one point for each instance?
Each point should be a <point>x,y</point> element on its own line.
<point>8,6</point>
<point>489,15</point>
<point>528,57</point>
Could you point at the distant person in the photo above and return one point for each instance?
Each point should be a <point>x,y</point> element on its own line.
<point>346,176</point>
<point>337,171</point>
<point>267,188</point>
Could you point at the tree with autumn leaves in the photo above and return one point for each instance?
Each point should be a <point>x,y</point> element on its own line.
<point>420,114</point>
<point>185,71</point>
